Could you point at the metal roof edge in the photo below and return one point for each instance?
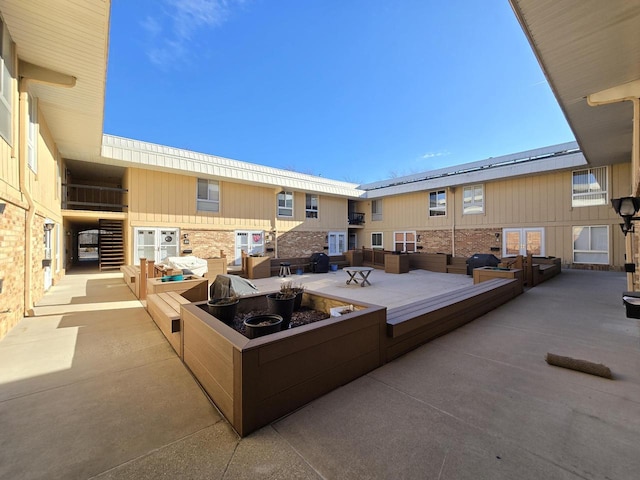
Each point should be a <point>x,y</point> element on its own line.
<point>124,152</point>
<point>489,173</point>
<point>527,155</point>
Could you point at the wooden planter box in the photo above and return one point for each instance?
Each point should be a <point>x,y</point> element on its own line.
<point>483,274</point>
<point>258,267</point>
<point>192,288</point>
<point>254,382</point>
<point>215,267</point>
<point>396,263</point>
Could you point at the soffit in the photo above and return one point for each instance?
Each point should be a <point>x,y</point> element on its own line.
<point>583,47</point>
<point>69,37</point>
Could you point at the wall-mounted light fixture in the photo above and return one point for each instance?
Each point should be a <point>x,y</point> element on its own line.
<point>185,239</point>
<point>48,227</point>
<point>626,207</point>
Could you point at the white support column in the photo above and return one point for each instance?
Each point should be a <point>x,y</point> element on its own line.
<point>628,92</point>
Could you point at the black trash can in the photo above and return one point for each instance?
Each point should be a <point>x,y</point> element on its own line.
<point>631,301</point>
<point>319,263</point>
<point>481,260</point>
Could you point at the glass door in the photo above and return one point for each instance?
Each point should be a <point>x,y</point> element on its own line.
<point>521,241</point>
<point>155,244</point>
<point>337,243</point>
<point>249,241</point>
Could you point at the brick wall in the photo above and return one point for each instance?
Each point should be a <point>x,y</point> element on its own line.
<point>468,242</point>
<point>434,241</point>
<point>208,243</point>
<point>477,240</point>
<point>301,244</point>
<point>12,250</point>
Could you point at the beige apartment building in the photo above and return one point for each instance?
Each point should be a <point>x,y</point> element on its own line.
<point>62,178</point>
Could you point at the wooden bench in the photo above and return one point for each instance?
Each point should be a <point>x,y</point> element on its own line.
<point>411,325</point>
<point>164,309</point>
<point>434,262</point>
<point>131,276</point>
<point>457,265</point>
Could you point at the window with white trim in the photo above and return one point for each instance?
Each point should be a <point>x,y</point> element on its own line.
<point>208,199</point>
<point>437,203</point>
<point>376,240</point>
<point>311,209</point>
<point>376,209</point>
<point>591,244</point>
<point>589,187</point>
<point>6,83</point>
<point>32,134</point>
<point>473,199</point>
<point>285,204</point>
<point>404,241</point>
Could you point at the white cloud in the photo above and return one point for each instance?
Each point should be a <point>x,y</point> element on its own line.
<point>172,32</point>
<point>429,155</point>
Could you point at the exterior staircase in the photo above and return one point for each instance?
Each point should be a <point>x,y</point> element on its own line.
<point>111,245</point>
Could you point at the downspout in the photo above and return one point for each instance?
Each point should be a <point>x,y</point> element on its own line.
<point>31,211</point>
<point>27,73</point>
<point>452,190</point>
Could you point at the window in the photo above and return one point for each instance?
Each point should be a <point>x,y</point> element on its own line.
<point>437,203</point>
<point>591,244</point>
<point>404,241</point>
<point>376,240</point>
<point>6,83</point>
<point>208,195</point>
<point>376,209</point>
<point>312,206</point>
<point>589,187</point>
<point>32,134</point>
<point>285,204</point>
<point>473,199</point>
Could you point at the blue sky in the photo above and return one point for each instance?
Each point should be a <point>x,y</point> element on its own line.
<point>355,90</point>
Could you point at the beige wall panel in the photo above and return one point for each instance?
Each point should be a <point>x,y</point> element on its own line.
<point>333,212</point>
<point>42,184</point>
<point>160,198</point>
<point>9,173</point>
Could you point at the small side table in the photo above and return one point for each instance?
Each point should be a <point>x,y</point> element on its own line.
<point>362,272</point>
<point>285,269</point>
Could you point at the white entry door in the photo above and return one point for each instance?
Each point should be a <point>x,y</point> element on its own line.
<point>48,278</point>
<point>337,243</point>
<point>156,244</point>
<point>521,241</point>
<point>249,241</point>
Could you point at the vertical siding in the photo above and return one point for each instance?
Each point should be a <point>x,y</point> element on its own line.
<point>533,201</point>
<point>9,173</point>
<point>42,183</point>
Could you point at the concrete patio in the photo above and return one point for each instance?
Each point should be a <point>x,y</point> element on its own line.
<point>89,388</point>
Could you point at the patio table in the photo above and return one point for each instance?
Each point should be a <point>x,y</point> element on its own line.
<point>362,272</point>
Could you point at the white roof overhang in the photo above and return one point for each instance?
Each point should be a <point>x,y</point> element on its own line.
<point>70,38</point>
<point>531,162</point>
<point>586,47</point>
<point>134,153</point>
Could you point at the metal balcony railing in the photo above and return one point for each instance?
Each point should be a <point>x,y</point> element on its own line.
<point>356,218</point>
<point>90,197</point>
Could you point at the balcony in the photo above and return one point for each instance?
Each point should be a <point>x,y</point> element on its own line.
<point>91,197</point>
<point>356,218</point>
